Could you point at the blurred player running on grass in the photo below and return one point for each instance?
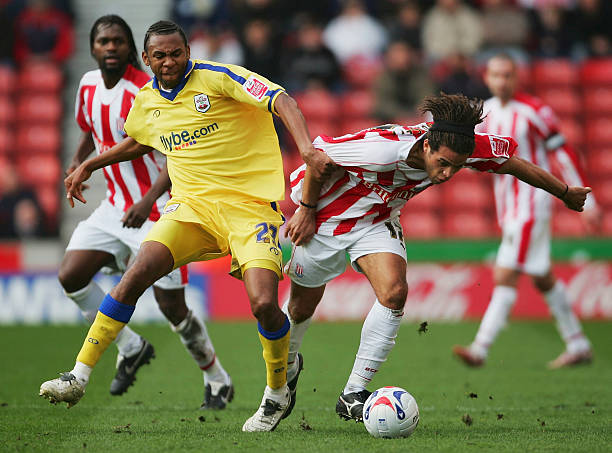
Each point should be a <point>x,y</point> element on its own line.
<point>357,212</point>
<point>214,123</point>
<point>524,216</point>
<point>137,192</point>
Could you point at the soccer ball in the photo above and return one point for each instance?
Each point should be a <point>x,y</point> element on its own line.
<point>390,412</point>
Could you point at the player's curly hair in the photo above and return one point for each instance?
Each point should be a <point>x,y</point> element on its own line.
<point>164,27</point>
<point>458,110</point>
<point>113,19</point>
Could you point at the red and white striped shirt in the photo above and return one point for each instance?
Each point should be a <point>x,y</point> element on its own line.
<point>535,128</point>
<point>377,180</point>
<point>103,112</point>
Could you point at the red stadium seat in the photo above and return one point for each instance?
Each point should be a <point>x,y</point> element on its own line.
<point>606,224</point>
<point>599,162</point>
<point>39,169</point>
<point>572,131</point>
<point>40,77</point>
<point>420,224</point>
<point>317,104</point>
<point>41,108</point>
<point>598,131</point>
<point>361,72</point>
<point>38,139</point>
<point>468,225</point>
<point>7,110</point>
<point>7,141</point>
<point>602,190</point>
<point>596,72</point>
<point>560,72</point>
<point>563,101</point>
<point>567,223</point>
<point>598,100</point>
<point>357,103</point>
<point>428,199</point>
<point>468,195</point>
<point>7,79</point>
<point>49,199</point>
<point>352,125</point>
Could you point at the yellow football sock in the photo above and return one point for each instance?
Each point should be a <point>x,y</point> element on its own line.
<point>275,352</point>
<point>101,333</point>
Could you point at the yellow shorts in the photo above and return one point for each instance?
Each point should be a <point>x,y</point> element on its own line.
<point>248,230</point>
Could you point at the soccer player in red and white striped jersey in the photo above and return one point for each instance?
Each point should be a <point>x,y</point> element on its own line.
<point>357,212</point>
<point>524,215</point>
<point>137,192</point>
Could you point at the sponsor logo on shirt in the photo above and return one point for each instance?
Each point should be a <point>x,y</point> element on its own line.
<point>202,104</point>
<point>255,87</point>
<point>171,208</point>
<point>183,139</point>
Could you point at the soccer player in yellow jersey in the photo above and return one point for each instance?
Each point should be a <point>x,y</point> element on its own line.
<point>214,123</point>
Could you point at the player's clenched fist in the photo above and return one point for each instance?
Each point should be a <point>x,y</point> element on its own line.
<point>575,197</point>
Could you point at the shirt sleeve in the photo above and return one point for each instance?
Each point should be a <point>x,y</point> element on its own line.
<point>135,124</point>
<point>491,152</point>
<point>80,108</point>
<point>244,86</point>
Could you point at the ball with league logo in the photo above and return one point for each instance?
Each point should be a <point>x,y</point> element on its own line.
<point>390,412</point>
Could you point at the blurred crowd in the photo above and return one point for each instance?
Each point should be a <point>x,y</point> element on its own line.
<point>376,58</point>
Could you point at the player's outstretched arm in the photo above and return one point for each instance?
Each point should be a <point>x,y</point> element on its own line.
<point>136,215</point>
<point>321,165</point>
<point>573,197</point>
<point>128,149</point>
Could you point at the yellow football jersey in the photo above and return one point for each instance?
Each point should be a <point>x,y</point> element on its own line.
<point>217,132</point>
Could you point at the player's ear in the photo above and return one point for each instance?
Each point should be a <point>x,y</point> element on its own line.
<point>188,52</point>
<point>145,58</point>
<point>426,147</point>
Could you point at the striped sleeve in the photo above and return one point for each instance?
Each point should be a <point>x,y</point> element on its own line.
<point>80,107</point>
<point>491,152</point>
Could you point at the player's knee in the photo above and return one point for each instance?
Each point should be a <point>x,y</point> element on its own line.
<point>70,279</point>
<point>395,296</point>
<point>262,306</point>
<point>300,313</point>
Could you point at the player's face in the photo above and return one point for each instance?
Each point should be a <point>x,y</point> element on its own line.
<point>441,165</point>
<point>501,78</point>
<point>167,55</point>
<point>111,48</point>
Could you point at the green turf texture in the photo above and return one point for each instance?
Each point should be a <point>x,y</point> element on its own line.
<point>514,402</point>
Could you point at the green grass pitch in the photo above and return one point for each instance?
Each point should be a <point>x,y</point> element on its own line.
<point>514,402</point>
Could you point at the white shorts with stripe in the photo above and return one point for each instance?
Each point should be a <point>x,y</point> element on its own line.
<point>104,231</point>
<point>525,246</point>
<point>324,257</point>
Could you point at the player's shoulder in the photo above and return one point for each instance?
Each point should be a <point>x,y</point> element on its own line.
<point>491,146</point>
<point>91,77</point>
<point>529,102</point>
<point>135,76</point>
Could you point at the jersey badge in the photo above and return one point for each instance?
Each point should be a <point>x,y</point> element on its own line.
<point>121,126</point>
<point>255,87</point>
<point>499,146</point>
<point>202,103</point>
<point>171,208</point>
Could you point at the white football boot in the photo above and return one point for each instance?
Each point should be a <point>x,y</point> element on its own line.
<point>66,388</point>
<point>270,413</point>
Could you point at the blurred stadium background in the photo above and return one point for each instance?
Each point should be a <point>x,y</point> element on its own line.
<point>350,64</point>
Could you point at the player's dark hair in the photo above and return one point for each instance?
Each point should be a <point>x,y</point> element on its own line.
<point>113,19</point>
<point>164,27</point>
<point>457,115</point>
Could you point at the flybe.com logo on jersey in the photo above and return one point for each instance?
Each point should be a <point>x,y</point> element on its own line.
<point>179,140</point>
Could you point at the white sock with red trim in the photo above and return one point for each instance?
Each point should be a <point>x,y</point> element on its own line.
<point>88,300</point>
<point>298,330</point>
<point>194,336</point>
<point>567,322</point>
<point>377,339</point>
<point>502,300</point>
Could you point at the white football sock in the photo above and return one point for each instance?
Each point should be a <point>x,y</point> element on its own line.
<point>88,300</point>
<point>377,339</point>
<point>502,300</point>
<point>194,336</point>
<point>295,341</point>
<point>82,372</point>
<point>567,322</point>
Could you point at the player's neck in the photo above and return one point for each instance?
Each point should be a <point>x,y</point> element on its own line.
<point>111,78</point>
<point>415,157</point>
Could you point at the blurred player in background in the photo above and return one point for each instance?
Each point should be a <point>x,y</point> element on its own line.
<point>137,192</point>
<point>524,216</point>
<point>214,123</point>
<point>357,212</point>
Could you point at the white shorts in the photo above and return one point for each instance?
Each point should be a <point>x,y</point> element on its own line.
<point>525,246</point>
<point>104,231</point>
<point>324,257</point>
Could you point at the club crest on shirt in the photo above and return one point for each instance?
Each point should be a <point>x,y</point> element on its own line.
<point>121,126</point>
<point>499,146</point>
<point>202,104</point>
<point>255,87</point>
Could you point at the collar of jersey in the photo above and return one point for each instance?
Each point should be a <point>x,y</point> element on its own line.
<point>170,95</point>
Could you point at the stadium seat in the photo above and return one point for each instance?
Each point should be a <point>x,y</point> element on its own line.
<point>7,110</point>
<point>602,189</point>
<point>7,79</point>
<point>599,162</point>
<point>421,224</point>
<point>468,225</point>
<point>564,101</point>
<point>598,100</point>
<point>598,131</point>
<point>554,72</point>
<point>39,108</point>
<point>606,224</point>
<point>573,131</point>
<point>49,199</point>
<point>40,77</point>
<point>39,169</point>
<point>38,139</point>
<point>7,141</point>
<point>317,104</point>
<point>361,72</point>
<point>567,223</point>
<point>468,194</point>
<point>352,125</point>
<point>357,103</point>
<point>428,199</point>
<point>596,72</point>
